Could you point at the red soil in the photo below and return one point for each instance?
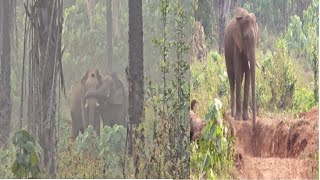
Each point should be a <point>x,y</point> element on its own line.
<point>278,149</point>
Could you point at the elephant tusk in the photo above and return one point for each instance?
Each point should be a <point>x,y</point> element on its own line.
<point>86,105</point>
<point>258,65</point>
<point>97,104</point>
<point>249,64</point>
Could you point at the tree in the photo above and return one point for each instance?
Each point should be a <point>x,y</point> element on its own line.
<point>135,73</point>
<point>44,68</point>
<point>204,15</point>
<point>224,6</point>
<point>109,35</point>
<point>5,83</point>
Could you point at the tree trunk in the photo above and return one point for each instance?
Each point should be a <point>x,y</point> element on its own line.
<point>5,84</point>
<point>224,6</point>
<point>135,74</point>
<point>109,36</point>
<point>45,65</point>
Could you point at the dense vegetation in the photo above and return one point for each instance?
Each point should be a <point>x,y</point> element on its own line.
<point>163,150</point>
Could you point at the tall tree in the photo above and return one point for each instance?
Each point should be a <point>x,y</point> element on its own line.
<point>5,83</point>
<point>224,6</point>
<point>135,73</point>
<point>109,35</point>
<point>44,67</point>
<point>204,15</point>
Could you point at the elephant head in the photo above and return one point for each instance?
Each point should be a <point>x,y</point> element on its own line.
<point>111,90</point>
<point>113,100</point>
<point>90,106</point>
<point>245,35</point>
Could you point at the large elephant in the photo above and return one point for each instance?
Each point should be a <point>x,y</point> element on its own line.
<point>241,38</point>
<point>113,100</point>
<point>85,112</point>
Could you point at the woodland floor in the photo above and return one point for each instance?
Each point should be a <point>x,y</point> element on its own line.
<point>284,148</point>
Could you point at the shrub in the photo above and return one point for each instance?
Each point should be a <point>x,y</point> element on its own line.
<point>213,157</point>
<point>28,155</point>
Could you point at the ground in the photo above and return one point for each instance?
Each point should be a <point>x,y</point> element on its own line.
<point>280,148</point>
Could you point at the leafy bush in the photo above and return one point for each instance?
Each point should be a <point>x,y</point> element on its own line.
<point>213,156</point>
<point>96,157</point>
<point>276,80</point>
<point>300,35</point>
<point>87,142</point>
<point>208,81</point>
<point>112,149</point>
<point>303,100</point>
<point>168,155</point>
<point>28,155</point>
<point>6,159</point>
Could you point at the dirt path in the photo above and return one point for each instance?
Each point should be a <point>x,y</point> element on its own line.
<point>283,148</point>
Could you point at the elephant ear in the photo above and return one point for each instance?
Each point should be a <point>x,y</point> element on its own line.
<point>237,35</point>
<point>84,78</point>
<point>99,78</point>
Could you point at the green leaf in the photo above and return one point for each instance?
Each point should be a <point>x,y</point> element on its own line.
<point>29,146</point>
<point>34,159</point>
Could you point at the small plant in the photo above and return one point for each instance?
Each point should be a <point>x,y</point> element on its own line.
<point>170,100</point>
<point>87,142</point>
<point>212,158</point>
<point>28,153</point>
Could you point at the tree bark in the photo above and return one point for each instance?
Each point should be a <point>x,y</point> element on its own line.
<point>45,65</point>
<point>135,74</point>
<point>224,6</point>
<point>5,83</point>
<point>109,36</point>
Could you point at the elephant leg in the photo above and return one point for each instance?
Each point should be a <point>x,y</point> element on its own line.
<point>232,84</point>
<point>245,114</point>
<point>76,124</point>
<point>97,124</point>
<point>238,77</point>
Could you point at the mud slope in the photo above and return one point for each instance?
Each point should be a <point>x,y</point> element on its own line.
<point>281,148</point>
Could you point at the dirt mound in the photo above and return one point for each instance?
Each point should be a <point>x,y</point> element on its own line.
<point>278,148</point>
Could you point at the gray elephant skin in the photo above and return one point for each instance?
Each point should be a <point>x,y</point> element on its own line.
<point>95,98</point>
<point>241,38</point>
<point>85,112</point>
<point>113,100</point>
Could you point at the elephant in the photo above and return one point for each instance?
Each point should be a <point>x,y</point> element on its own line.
<point>240,41</point>
<point>113,100</point>
<point>85,112</point>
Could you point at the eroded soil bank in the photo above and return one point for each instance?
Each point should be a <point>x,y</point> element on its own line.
<point>279,148</point>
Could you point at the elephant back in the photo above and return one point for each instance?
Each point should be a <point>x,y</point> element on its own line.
<point>117,94</point>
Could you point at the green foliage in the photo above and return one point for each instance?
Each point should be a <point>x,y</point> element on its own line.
<point>208,81</point>
<point>6,159</point>
<point>112,149</point>
<point>315,68</point>
<point>169,157</point>
<point>96,157</point>
<point>87,142</point>
<point>300,35</point>
<point>28,155</point>
<point>277,70</point>
<point>212,158</point>
<point>303,100</point>
<point>204,14</point>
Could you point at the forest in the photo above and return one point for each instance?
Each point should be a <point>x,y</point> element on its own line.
<point>113,88</point>
<point>56,54</point>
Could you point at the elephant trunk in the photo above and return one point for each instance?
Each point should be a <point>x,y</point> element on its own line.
<point>91,106</point>
<point>99,93</point>
<point>252,60</point>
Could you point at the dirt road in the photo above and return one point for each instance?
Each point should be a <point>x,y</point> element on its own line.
<point>281,148</point>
